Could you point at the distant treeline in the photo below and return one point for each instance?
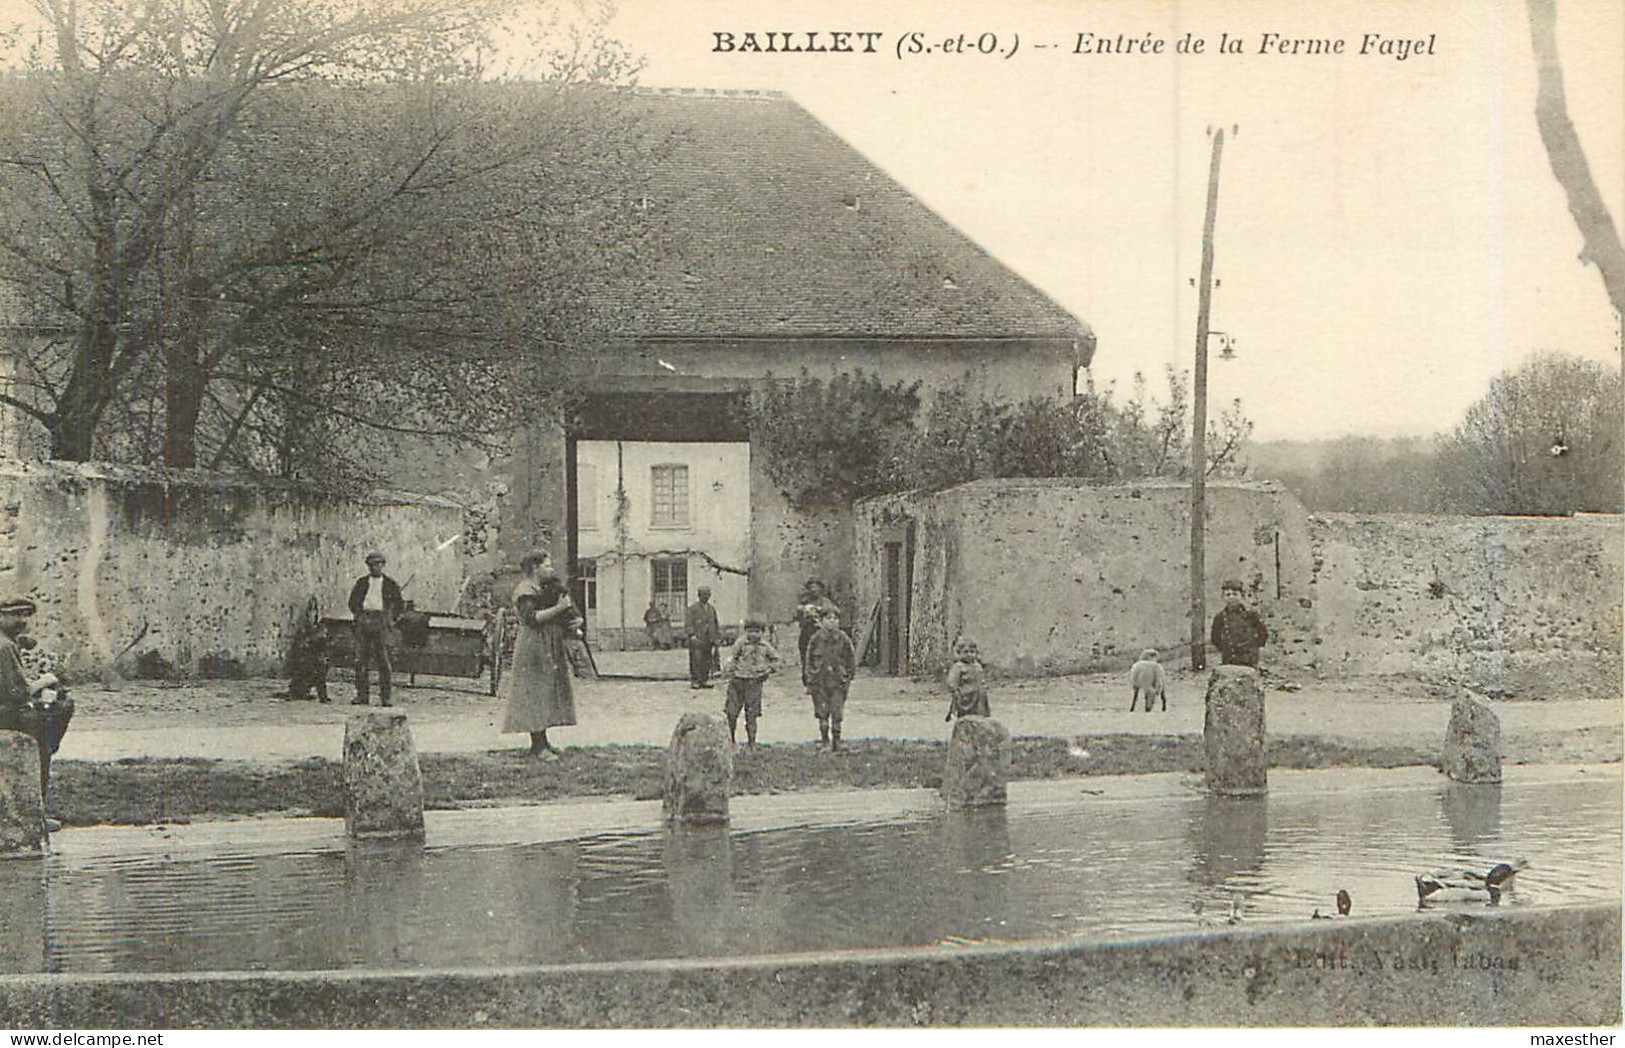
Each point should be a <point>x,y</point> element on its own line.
<point>1546,439</point>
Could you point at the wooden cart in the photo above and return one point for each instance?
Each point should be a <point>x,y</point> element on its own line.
<point>428,642</point>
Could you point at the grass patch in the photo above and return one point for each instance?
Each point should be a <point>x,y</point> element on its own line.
<point>139,791</point>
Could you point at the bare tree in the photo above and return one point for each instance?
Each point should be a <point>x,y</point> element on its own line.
<point>242,227</point>
<point>1568,159</point>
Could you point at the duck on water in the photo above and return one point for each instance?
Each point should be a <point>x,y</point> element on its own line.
<point>1468,885</point>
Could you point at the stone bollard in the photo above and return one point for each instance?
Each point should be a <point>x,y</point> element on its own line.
<point>1472,742</point>
<point>1233,733</point>
<point>383,788</point>
<point>22,810</point>
<point>978,764</point>
<point>699,770</point>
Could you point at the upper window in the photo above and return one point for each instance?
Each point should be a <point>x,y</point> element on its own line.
<point>668,508</point>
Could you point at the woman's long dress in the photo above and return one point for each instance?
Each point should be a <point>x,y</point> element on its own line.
<point>539,694</point>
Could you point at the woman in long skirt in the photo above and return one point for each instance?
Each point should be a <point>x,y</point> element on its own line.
<point>539,694</point>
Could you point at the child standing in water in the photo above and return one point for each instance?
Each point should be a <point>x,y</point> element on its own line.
<point>967,682</point>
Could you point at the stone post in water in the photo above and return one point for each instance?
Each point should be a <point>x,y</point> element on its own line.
<point>1472,742</point>
<point>978,764</point>
<point>1233,731</point>
<point>699,770</point>
<point>383,788</point>
<point>22,809</point>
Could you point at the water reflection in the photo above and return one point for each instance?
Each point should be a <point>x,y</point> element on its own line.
<point>23,909</point>
<point>1227,842</point>
<point>1069,864</point>
<point>1473,813</point>
<point>1227,839</point>
<point>698,863</point>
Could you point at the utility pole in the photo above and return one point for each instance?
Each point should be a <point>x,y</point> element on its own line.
<point>620,531</point>
<point>1199,423</point>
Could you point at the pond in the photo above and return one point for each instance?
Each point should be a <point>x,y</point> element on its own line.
<point>1090,858</point>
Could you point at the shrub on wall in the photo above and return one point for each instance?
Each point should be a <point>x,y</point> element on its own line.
<point>831,443</point>
<point>853,437</point>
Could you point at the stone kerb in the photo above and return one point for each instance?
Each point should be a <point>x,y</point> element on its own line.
<point>978,764</point>
<point>1233,733</point>
<point>383,786</point>
<point>699,771</point>
<point>22,809</point>
<point>1472,742</point>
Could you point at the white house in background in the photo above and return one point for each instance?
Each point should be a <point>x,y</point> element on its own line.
<point>684,523</point>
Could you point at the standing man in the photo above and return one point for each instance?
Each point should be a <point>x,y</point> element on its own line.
<point>40,708</point>
<point>1237,631</point>
<point>704,634</point>
<point>375,601</point>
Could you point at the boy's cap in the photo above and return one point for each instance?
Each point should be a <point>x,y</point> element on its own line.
<point>756,622</point>
<point>1232,585</point>
<point>375,558</point>
<point>17,606</point>
<point>1149,653</point>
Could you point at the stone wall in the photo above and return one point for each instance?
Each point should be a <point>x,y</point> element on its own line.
<point>1527,605</point>
<point>1486,967</point>
<point>207,571</point>
<point>790,546</point>
<point>1056,576</point>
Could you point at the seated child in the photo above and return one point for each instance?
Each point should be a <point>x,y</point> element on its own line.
<point>750,662</point>
<point>967,687</point>
<point>827,672</point>
<point>1146,677</point>
<point>308,656</point>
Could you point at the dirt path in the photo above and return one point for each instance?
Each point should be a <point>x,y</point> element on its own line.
<point>240,719</point>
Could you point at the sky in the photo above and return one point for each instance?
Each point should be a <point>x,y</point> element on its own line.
<point>1389,234</point>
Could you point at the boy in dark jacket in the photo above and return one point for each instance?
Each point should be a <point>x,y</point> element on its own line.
<point>1237,631</point>
<point>827,671</point>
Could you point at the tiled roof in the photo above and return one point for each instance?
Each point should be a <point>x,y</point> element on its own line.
<point>782,229</point>
<point>767,224</point>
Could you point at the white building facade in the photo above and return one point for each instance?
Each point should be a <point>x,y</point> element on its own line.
<point>655,522</point>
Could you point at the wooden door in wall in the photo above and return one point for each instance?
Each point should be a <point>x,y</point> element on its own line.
<point>897,583</point>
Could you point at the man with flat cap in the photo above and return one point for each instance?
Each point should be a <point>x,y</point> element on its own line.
<point>704,634</point>
<point>40,708</point>
<point>375,601</point>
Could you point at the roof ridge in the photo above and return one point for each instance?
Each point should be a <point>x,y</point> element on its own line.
<point>753,93</point>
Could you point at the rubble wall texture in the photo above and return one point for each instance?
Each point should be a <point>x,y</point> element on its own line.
<point>207,571</point>
<point>1057,576</point>
<point>1054,576</point>
<point>1526,605</point>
